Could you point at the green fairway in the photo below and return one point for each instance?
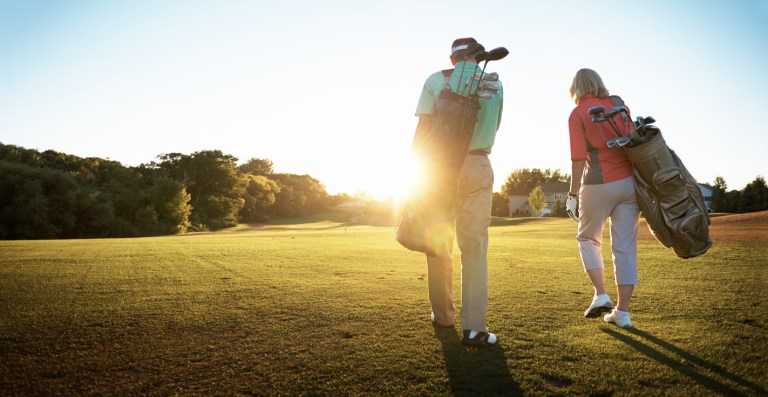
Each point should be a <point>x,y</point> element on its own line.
<point>317,307</point>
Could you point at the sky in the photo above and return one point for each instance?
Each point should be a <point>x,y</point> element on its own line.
<point>330,88</point>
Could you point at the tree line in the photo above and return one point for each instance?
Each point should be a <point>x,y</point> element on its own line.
<point>753,197</point>
<point>48,194</point>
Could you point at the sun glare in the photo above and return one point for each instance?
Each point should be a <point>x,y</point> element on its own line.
<point>410,175</point>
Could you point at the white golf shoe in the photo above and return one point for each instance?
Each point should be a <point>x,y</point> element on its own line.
<point>600,304</point>
<point>622,321</point>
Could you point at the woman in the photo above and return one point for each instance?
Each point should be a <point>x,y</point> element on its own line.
<point>602,182</point>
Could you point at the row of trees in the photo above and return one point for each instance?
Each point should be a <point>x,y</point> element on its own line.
<point>56,195</point>
<point>754,196</point>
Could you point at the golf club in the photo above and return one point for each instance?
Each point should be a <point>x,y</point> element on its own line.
<point>493,76</point>
<point>479,57</point>
<point>640,123</point>
<point>597,114</point>
<point>484,94</point>
<point>596,110</point>
<point>609,115</point>
<point>491,85</point>
<point>471,49</point>
<point>626,117</point>
<point>493,55</point>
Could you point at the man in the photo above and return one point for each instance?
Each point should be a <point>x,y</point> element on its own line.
<point>472,206</point>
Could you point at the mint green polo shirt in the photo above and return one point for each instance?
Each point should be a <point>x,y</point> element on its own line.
<point>489,116</point>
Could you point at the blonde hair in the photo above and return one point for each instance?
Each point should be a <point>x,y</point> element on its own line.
<point>586,82</point>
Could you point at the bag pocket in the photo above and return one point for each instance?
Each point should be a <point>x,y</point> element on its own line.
<point>672,193</point>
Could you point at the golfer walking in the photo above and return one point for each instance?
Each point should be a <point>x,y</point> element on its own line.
<point>473,205</point>
<point>602,183</point>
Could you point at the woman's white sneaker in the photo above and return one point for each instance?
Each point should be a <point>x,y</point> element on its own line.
<point>600,304</point>
<point>621,320</point>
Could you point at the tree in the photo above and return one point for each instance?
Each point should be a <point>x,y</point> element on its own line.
<point>559,210</point>
<point>733,198</point>
<point>211,179</point>
<point>257,166</point>
<point>523,180</point>
<point>147,221</point>
<point>536,200</point>
<point>299,195</point>
<point>500,205</point>
<point>719,195</point>
<point>170,201</point>
<point>754,197</point>
<point>260,196</point>
<point>36,203</point>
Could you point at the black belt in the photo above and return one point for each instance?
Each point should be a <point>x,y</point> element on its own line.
<point>478,153</point>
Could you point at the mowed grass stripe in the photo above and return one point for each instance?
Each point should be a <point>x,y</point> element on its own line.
<point>320,308</point>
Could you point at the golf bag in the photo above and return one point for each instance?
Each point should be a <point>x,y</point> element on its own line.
<point>668,195</point>
<point>426,215</point>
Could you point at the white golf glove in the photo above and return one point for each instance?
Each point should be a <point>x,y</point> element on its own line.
<point>570,207</point>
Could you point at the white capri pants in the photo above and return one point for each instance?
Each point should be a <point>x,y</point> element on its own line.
<point>614,201</point>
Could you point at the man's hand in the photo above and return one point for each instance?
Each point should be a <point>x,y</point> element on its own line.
<point>570,207</point>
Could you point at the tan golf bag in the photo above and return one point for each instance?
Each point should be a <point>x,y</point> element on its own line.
<point>669,197</point>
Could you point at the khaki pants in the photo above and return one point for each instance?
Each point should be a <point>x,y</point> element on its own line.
<point>614,201</point>
<point>475,192</point>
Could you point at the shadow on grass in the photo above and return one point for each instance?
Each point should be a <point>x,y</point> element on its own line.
<point>686,362</point>
<point>473,371</point>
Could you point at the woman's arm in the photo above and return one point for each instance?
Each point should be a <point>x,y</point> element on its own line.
<point>577,169</point>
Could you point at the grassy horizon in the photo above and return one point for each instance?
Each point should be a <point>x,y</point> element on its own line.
<point>317,307</point>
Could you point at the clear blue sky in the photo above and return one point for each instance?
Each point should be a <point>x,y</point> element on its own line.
<point>329,88</point>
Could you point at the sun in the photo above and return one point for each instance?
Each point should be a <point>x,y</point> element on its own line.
<point>410,175</point>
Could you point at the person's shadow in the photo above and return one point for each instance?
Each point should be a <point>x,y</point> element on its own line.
<point>687,364</point>
<point>475,371</point>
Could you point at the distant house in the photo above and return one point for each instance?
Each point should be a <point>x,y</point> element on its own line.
<point>706,192</point>
<point>518,204</point>
<point>553,192</point>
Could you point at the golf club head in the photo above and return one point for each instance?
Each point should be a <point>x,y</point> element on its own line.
<point>481,56</point>
<point>611,142</point>
<point>491,77</point>
<point>497,53</point>
<point>649,120</point>
<point>612,112</point>
<point>491,85</point>
<point>485,94</point>
<point>594,110</point>
<point>599,118</point>
<point>623,141</point>
<point>474,49</point>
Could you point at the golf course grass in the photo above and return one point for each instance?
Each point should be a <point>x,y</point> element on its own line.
<point>319,307</point>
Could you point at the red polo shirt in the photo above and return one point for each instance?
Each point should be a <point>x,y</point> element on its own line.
<point>588,142</point>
